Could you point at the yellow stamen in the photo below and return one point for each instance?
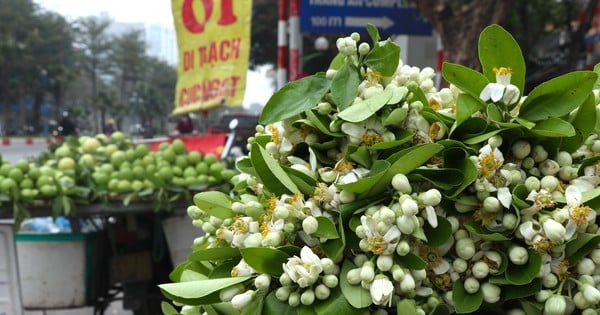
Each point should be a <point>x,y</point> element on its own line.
<point>434,104</point>
<point>488,164</point>
<point>240,226</point>
<point>343,166</point>
<point>434,131</point>
<point>264,229</point>
<point>542,245</point>
<point>370,138</point>
<point>274,134</point>
<point>373,77</point>
<point>272,202</point>
<point>483,216</point>
<point>443,281</point>
<point>580,214</point>
<point>376,245</point>
<point>295,198</point>
<point>563,270</point>
<point>502,70</point>
<point>490,263</point>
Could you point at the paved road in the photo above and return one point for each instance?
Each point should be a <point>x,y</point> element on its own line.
<point>18,149</point>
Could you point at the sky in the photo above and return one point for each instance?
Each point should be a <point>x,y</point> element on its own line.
<point>258,87</point>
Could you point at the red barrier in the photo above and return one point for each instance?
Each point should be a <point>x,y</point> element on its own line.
<point>212,143</point>
<point>5,141</point>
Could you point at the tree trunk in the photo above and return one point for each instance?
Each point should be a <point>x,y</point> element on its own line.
<point>459,26</point>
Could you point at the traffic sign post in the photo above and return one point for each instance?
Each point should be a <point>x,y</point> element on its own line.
<point>346,16</point>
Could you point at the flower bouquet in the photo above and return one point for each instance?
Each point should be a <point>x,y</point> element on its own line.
<point>369,191</point>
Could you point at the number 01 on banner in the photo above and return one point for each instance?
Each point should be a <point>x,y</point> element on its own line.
<point>213,38</point>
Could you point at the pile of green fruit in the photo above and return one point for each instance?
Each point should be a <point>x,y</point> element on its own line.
<point>86,170</point>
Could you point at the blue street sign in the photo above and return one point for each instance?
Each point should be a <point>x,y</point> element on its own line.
<point>346,16</point>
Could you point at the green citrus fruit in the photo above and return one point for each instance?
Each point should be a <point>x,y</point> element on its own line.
<point>202,168</point>
<point>63,151</point>
<point>124,186</point>
<point>66,163</point>
<point>190,171</point>
<point>215,169</point>
<point>118,136</point>
<point>141,150</point>
<point>168,155</point>
<point>16,174</point>
<point>181,161</point>
<point>44,180</point>
<point>27,183</point>
<point>48,190</point>
<point>87,160</point>
<point>210,158</point>
<point>227,174</point>
<point>194,157</point>
<point>178,147</point>
<point>117,158</point>
<point>7,184</point>
<point>34,172</point>
<point>90,145</point>
<point>165,173</point>
<point>5,169</point>
<point>23,165</point>
<point>110,149</point>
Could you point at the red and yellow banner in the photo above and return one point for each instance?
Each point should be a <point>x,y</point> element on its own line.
<point>214,45</point>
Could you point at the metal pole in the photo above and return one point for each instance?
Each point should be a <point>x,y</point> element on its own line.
<point>295,40</point>
<point>282,44</point>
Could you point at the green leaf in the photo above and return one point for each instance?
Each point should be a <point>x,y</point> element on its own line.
<point>512,292</point>
<point>443,178</point>
<point>303,181</point>
<point>273,306</point>
<point>321,122</point>
<point>597,71</point>
<point>223,270</point>
<point>532,308</point>
<point>396,117</point>
<point>405,161</point>
<point>463,301</point>
<point>270,173</point>
<point>326,229</point>
<point>378,170</point>
<point>440,309</point>
<point>466,79</point>
<point>344,86</point>
<point>257,304</point>
<point>354,294</point>
<point>558,97</point>
<point>360,155</point>
<point>168,309</point>
<point>497,48</point>
<point>411,261</point>
<point>336,303</point>
<point>584,120</point>
<point>466,106</point>
<point>198,292</point>
<point>295,98</point>
<point>524,274</point>
<point>553,127</point>
<point>469,173</point>
<point>483,233</point>
<point>440,235</point>
<point>215,203</point>
<point>581,246</point>
<point>364,109</point>
<point>265,259</point>
<point>373,33</point>
<point>218,253</point>
<point>384,58</point>
<point>406,307</point>
<point>334,248</point>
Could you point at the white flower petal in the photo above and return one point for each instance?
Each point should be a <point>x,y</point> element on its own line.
<point>353,130</point>
<point>497,91</point>
<point>431,216</point>
<point>505,197</point>
<point>573,196</point>
<point>486,93</point>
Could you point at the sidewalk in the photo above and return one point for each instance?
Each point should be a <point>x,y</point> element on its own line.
<point>22,140</point>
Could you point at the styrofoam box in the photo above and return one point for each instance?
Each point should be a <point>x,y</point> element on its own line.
<point>54,269</point>
<point>180,235</point>
<point>10,299</point>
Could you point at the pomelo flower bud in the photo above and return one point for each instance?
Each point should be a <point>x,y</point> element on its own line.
<point>367,272</point>
<point>322,292</point>
<point>518,255</point>
<point>528,163</point>
<point>355,36</point>
<point>532,183</point>
<point>554,231</point>
<point>262,282</point>
<point>194,212</point>
<point>586,266</point>
<point>580,301</point>
<point>307,297</point>
<point>330,281</point>
<point>432,197</point>
<point>591,294</point>
<point>419,274</point>
<point>491,292</point>
<point>549,183</point>
<point>520,149</point>
<point>310,225</point>
<point>353,276</point>
<point>495,141</point>
<point>509,221</point>
<point>283,293</point>
<point>589,311</point>
<point>460,265</point>
<point>480,270</point>
<point>538,153</point>
<point>238,207</point>
<point>397,273</point>
<point>549,167</point>
<point>471,285</point>
<point>410,207</point>
<point>492,204</point>
<point>294,299</point>
<point>329,267</point>
<point>595,255</point>
<point>387,216</point>
<point>585,279</point>
<point>363,48</point>
<point>281,212</point>
<point>407,284</point>
<point>402,248</point>
<point>564,158</point>
<point>228,293</point>
<point>285,279</point>
<point>385,262</point>
<point>465,248</point>
<point>347,196</point>
<point>360,259</point>
<point>549,280</point>
<point>543,295</point>
<point>242,300</point>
